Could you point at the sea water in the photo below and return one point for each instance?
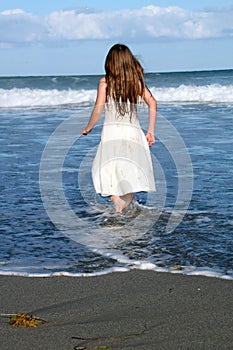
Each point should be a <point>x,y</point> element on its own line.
<point>53,223</point>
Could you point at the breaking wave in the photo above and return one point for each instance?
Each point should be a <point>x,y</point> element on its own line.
<point>26,97</point>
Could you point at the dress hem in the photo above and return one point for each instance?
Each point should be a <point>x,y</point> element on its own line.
<point>117,194</point>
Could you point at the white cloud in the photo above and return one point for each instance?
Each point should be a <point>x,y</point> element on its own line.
<point>17,26</point>
<point>71,25</point>
<point>12,12</point>
<point>147,23</point>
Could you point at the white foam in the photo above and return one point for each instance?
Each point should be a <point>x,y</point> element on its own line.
<point>135,265</point>
<point>213,93</point>
<point>37,97</point>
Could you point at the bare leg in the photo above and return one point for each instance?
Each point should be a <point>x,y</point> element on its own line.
<point>121,202</point>
<point>127,198</point>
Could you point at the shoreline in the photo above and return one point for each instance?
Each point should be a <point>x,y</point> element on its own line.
<point>176,269</point>
<point>138,309</point>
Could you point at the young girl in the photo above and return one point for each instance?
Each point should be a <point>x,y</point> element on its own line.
<point>122,165</point>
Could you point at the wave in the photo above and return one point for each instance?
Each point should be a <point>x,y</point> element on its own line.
<point>26,97</point>
<point>213,93</point>
<point>137,265</point>
<point>40,98</point>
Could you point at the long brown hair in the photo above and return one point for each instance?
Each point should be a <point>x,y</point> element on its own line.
<point>124,78</point>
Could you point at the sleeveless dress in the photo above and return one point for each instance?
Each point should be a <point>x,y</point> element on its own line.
<point>123,161</point>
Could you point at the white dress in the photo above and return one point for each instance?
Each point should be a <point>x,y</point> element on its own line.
<point>123,161</point>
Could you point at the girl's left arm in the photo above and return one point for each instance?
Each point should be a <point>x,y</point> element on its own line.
<point>98,108</point>
<point>152,115</point>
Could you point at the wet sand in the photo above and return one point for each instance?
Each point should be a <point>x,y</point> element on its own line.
<point>126,310</point>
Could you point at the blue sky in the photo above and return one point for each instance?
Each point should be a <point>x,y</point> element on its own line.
<point>59,37</point>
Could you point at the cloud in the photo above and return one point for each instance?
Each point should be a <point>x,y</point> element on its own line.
<point>17,26</point>
<point>147,23</point>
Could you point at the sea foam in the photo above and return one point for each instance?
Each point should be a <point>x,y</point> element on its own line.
<point>26,97</point>
<point>189,270</point>
<point>213,93</point>
<point>38,98</point>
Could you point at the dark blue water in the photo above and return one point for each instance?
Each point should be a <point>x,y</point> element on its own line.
<point>31,110</point>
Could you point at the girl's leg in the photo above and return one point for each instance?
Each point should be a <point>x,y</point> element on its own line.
<point>121,202</point>
<point>127,198</point>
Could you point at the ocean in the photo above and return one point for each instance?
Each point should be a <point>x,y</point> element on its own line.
<point>53,223</point>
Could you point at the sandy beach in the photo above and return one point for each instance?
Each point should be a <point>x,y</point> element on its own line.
<point>125,310</point>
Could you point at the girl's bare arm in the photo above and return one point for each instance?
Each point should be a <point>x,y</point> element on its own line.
<point>98,108</point>
<point>152,112</point>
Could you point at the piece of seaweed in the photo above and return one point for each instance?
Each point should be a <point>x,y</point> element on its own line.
<point>23,319</point>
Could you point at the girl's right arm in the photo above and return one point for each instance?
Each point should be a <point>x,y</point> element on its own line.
<point>98,108</point>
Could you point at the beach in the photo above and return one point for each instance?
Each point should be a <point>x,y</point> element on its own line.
<point>122,310</point>
<point>159,277</point>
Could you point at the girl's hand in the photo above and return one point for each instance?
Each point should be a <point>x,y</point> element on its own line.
<point>85,131</point>
<point>150,138</point>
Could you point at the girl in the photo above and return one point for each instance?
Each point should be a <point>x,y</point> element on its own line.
<point>122,165</point>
